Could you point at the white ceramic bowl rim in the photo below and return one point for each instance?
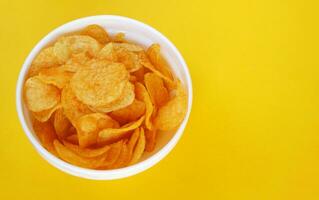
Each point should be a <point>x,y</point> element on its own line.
<point>89,173</point>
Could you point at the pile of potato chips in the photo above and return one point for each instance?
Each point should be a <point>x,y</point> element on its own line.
<point>99,102</point>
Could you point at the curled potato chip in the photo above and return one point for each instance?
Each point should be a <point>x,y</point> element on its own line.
<point>113,134</point>
<point>45,115</point>
<point>150,138</point>
<point>108,52</point>
<point>97,32</point>
<point>74,44</point>
<point>40,96</point>
<point>128,47</point>
<point>100,85</point>
<point>75,62</point>
<point>61,123</point>
<point>129,113</point>
<point>56,76</point>
<point>89,125</point>
<point>157,60</point>
<point>147,64</point>
<point>73,158</point>
<point>119,37</point>
<point>45,59</point>
<point>139,148</point>
<point>126,98</point>
<point>46,135</point>
<point>129,59</point>
<point>123,158</point>
<point>73,138</point>
<point>132,142</point>
<point>139,74</point>
<point>142,95</point>
<point>156,89</point>
<point>87,152</point>
<point>173,112</point>
<point>73,108</point>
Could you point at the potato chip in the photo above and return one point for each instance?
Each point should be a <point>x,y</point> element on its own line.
<point>139,74</point>
<point>129,113</point>
<point>61,123</point>
<point>113,134</point>
<point>123,158</point>
<point>97,32</point>
<point>73,138</point>
<point>119,37</point>
<point>45,59</point>
<point>75,62</point>
<point>157,60</point>
<point>45,133</point>
<point>89,125</point>
<point>87,152</point>
<point>45,115</point>
<point>100,85</point>
<point>40,96</point>
<point>129,59</point>
<point>132,142</point>
<point>73,158</point>
<point>139,148</point>
<point>132,78</point>
<point>173,112</point>
<point>142,95</point>
<point>56,76</point>
<point>74,44</point>
<point>73,108</point>
<point>128,47</point>
<point>108,52</point>
<point>155,87</point>
<point>150,138</point>
<point>126,98</point>
<point>147,64</point>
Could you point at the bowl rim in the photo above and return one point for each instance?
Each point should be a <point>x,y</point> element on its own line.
<point>91,173</point>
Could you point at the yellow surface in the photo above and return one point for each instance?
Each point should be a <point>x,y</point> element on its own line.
<point>254,127</point>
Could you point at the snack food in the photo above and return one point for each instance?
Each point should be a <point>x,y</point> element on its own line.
<point>99,101</point>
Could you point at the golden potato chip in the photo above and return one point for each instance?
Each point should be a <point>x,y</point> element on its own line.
<point>46,135</point>
<point>87,152</point>
<point>126,98</point>
<point>150,138</point>
<point>73,138</point>
<point>89,125</point>
<point>127,47</point>
<point>123,158</point>
<point>45,59</point>
<point>56,76</point>
<point>74,44</point>
<point>75,62</point>
<point>133,78</point>
<point>61,123</point>
<point>100,85</point>
<point>139,74</point>
<point>108,52</point>
<point>155,87</point>
<point>119,37</point>
<point>112,155</point>
<point>97,32</point>
<point>173,112</point>
<point>113,134</point>
<point>147,64</point>
<point>45,115</point>
<point>139,148</point>
<point>142,95</point>
<point>129,113</point>
<point>73,158</point>
<point>40,96</point>
<point>129,59</point>
<point>157,60</point>
<point>132,142</point>
<point>73,108</point>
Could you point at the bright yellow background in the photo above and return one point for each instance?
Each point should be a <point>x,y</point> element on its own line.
<point>253,132</point>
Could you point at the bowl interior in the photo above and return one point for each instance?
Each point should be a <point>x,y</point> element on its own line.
<point>134,31</point>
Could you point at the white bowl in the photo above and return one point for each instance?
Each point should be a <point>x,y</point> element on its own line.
<point>135,31</point>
